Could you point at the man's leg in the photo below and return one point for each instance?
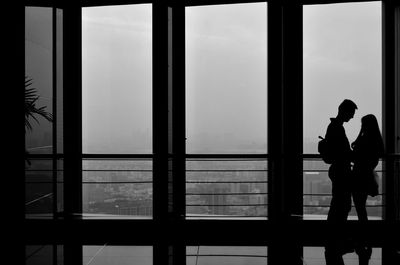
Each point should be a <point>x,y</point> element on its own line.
<point>338,241</point>
<point>333,254</point>
<point>364,255</point>
<point>340,204</point>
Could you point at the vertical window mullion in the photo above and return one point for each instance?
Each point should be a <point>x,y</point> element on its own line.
<point>274,18</point>
<point>177,124</point>
<point>54,125</point>
<point>178,108</point>
<point>161,199</point>
<point>72,20</point>
<point>285,122</point>
<point>397,119</point>
<point>389,105</point>
<point>391,187</point>
<point>160,110</point>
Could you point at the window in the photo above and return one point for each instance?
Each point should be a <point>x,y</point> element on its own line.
<point>226,110</point>
<point>43,254</point>
<point>226,188</point>
<point>397,12</point>
<point>234,255</point>
<point>108,255</point>
<point>342,58</point>
<point>117,110</point>
<point>39,74</point>
<point>117,79</point>
<point>43,112</point>
<point>226,81</point>
<point>174,129</point>
<point>117,188</point>
<point>315,256</point>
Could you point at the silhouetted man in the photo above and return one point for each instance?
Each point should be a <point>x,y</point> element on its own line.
<point>339,173</point>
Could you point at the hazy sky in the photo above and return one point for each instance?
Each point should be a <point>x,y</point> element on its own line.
<point>342,59</point>
<point>38,67</point>
<point>226,70</point>
<point>117,79</point>
<point>226,81</point>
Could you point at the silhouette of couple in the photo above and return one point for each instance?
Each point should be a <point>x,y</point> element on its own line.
<point>352,175</point>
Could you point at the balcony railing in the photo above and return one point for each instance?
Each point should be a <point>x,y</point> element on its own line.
<point>227,187</point>
<point>117,187</point>
<point>217,187</point>
<point>317,191</point>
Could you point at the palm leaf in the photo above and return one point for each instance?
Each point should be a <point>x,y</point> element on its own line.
<point>31,111</point>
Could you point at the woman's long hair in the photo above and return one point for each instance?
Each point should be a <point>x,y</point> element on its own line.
<point>371,134</point>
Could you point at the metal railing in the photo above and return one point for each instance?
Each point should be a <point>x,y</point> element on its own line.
<point>227,186</point>
<point>317,188</point>
<point>117,185</point>
<point>217,186</point>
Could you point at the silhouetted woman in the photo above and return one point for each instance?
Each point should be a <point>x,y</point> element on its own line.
<point>367,149</point>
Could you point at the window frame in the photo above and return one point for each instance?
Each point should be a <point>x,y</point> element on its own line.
<point>284,28</point>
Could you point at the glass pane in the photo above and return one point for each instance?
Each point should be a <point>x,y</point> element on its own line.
<point>342,59</point>
<point>317,192</point>
<point>39,255</point>
<point>39,79</point>
<point>39,174</point>
<point>44,254</point>
<point>117,188</point>
<point>60,81</point>
<point>315,256</point>
<point>226,78</point>
<point>397,18</point>
<point>224,255</point>
<point>39,189</point>
<point>117,79</point>
<point>226,188</point>
<point>122,255</point>
<point>60,185</point>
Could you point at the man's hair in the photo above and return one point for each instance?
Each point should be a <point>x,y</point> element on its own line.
<point>347,105</point>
